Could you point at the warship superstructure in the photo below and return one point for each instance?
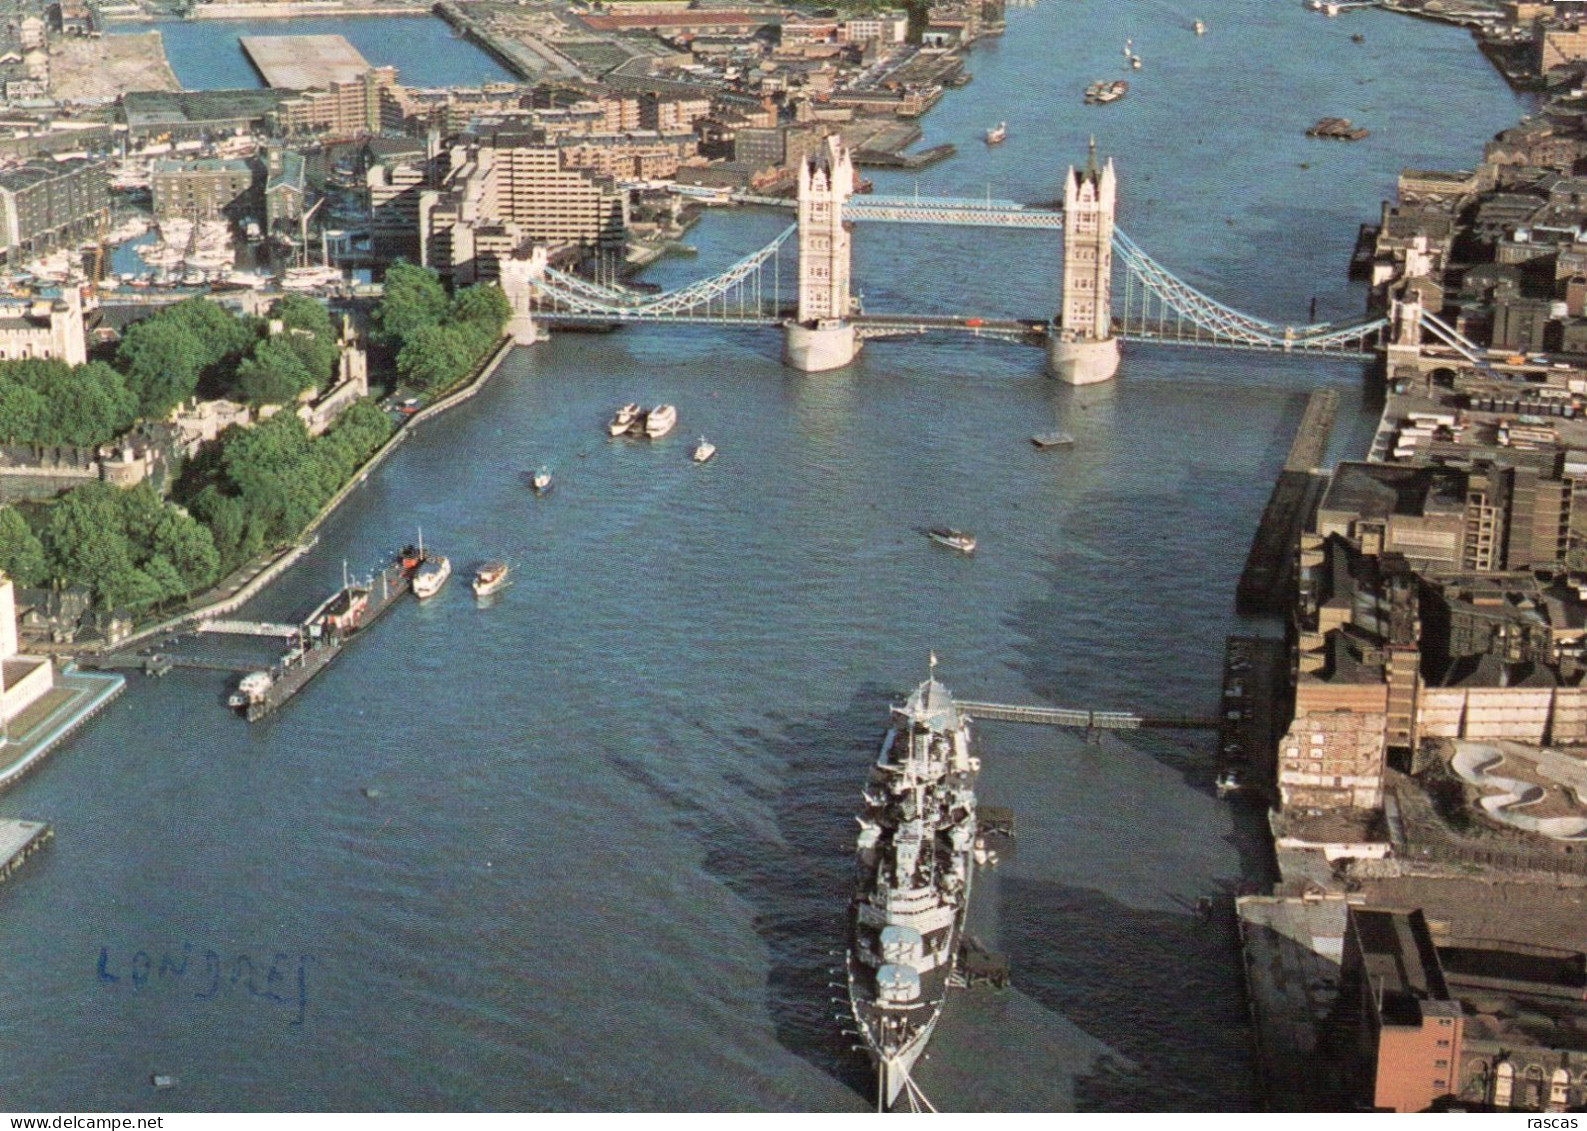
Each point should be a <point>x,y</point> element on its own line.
<point>913,872</point>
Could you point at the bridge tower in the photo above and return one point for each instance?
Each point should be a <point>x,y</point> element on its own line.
<point>520,274</point>
<point>1083,349</point>
<point>822,337</point>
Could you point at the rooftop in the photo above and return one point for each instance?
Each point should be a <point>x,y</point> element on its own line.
<point>1399,962</point>
<point>304,62</point>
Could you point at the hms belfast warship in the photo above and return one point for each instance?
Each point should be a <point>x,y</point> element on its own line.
<point>912,883</point>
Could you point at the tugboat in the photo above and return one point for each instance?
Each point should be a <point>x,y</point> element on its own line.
<point>997,133</point>
<point>953,539</point>
<point>913,873</point>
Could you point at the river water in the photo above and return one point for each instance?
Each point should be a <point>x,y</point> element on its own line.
<point>205,54</point>
<point>605,862</point>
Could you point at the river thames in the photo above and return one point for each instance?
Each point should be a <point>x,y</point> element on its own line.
<point>607,858</point>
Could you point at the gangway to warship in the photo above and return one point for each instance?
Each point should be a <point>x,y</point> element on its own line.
<point>250,628</point>
<point>1081,719</point>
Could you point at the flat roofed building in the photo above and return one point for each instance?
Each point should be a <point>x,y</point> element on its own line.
<point>357,107</point>
<point>47,203</point>
<point>504,188</point>
<point>1405,1027</point>
<point>24,680</point>
<point>303,62</point>
<point>188,114</point>
<point>203,189</point>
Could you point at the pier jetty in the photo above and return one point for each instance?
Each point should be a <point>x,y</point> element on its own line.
<point>1267,584</point>
<point>18,841</point>
<point>323,635</point>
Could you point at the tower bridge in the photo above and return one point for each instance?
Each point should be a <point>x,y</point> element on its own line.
<point>824,327</point>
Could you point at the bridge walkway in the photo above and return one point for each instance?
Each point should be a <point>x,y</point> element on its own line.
<point>1081,719</point>
<point>251,628</point>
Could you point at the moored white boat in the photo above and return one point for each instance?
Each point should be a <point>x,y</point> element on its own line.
<point>704,450</point>
<point>623,420</point>
<point>541,480</point>
<point>997,133</point>
<point>490,577</point>
<point>430,576</point>
<point>953,539</point>
<point>660,420</point>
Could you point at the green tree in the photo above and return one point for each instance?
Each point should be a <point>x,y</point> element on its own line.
<point>21,552</point>
<point>220,333</point>
<point>177,539</point>
<point>162,361</point>
<point>132,548</point>
<point>86,405</point>
<point>435,356</point>
<point>273,374</point>
<point>482,303</point>
<point>21,413</point>
<point>413,298</point>
<point>310,333</point>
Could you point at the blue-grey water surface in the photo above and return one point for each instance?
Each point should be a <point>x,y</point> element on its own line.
<point>206,55</point>
<point>608,858</point>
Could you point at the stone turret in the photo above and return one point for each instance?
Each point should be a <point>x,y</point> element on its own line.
<point>822,337</point>
<point>1084,351</point>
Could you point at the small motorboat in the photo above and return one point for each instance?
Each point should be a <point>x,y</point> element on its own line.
<point>162,1081</point>
<point>704,450</point>
<point>624,419</point>
<point>490,577</point>
<point>1135,62</point>
<point>1230,781</point>
<point>660,420</point>
<point>1052,439</point>
<point>1199,28</point>
<point>541,480</point>
<point>953,539</point>
<point>997,133</point>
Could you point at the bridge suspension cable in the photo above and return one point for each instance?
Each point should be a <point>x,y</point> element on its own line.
<point>1159,306</point>
<point>737,294</point>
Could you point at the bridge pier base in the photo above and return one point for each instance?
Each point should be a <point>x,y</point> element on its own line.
<point>829,344</point>
<point>1082,361</point>
<point>524,331</point>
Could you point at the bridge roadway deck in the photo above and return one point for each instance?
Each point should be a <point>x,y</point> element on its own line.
<point>1087,720</point>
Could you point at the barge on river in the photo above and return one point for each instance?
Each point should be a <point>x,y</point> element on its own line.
<point>326,631</point>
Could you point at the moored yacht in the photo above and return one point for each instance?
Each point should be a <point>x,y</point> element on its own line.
<point>624,419</point>
<point>430,576</point>
<point>660,420</point>
<point>490,577</point>
<point>953,539</point>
